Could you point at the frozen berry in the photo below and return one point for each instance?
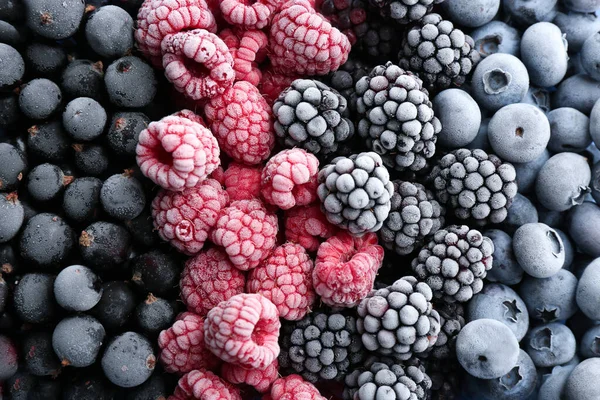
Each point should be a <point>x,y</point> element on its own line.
<point>13,165</point>
<point>104,244</point>
<point>48,141</point>
<point>116,304</point>
<point>294,387</point>
<point>130,82</point>
<point>84,118</point>
<point>247,47</point>
<point>154,388</point>
<point>204,385</point>
<point>77,288</point>
<point>11,65</point>
<point>11,215</point>
<point>83,78</point>
<point>142,229</point>
<point>155,272</point>
<point>8,357</point>
<point>40,98</point>
<point>45,60</point>
<point>154,314</point>
<point>46,240</point>
<point>77,340</point>
<point>253,15</point>
<point>128,360</point>
<point>122,196</point>
<point>259,379</point>
<point>307,226</point>
<point>54,20</point>
<point>81,200</point>
<point>109,31</point>
<point>124,131</point>
<point>242,182</point>
<point>39,356</point>
<point>34,298</point>
<point>46,182</point>
<point>91,159</point>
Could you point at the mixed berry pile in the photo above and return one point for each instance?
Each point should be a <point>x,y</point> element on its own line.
<point>299,199</point>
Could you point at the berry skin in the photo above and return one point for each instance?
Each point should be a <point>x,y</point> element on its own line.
<point>91,159</point>
<point>124,131</point>
<point>114,42</point>
<point>259,379</point>
<point>11,214</point>
<point>307,226</point>
<point>54,20</point>
<point>77,288</point>
<point>81,200</point>
<point>242,182</point>
<point>185,219</point>
<point>198,63</point>
<point>563,181</point>
<point>46,240</point>
<point>9,358</point>
<point>33,298</point>
<point>538,249</point>
<point>46,182</point>
<point>285,279</point>
<point>48,141</point>
<point>459,128</point>
<point>244,330</point>
<point>84,119</point>
<point>155,272</point>
<point>154,314</point>
<point>247,231</point>
<point>241,121</point>
<point>116,305</point>
<point>39,356</point>
<point>253,16</point>
<point>294,387</point>
<point>204,385</point>
<point>345,268</point>
<point>12,67</point>
<point>13,165</point>
<point>208,279</point>
<point>246,48</point>
<point>177,153</point>
<point>296,34</point>
<point>122,196</point>
<point>550,345</point>
<point>130,82</point>
<point>128,360</point>
<point>583,383</point>
<point>182,347</point>
<point>83,78</point>
<point>77,340</point>
<point>104,245</point>
<point>39,99</point>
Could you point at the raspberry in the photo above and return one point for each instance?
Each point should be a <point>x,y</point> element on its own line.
<point>189,114</point>
<point>346,267</point>
<point>244,330</point>
<point>241,120</point>
<point>198,63</point>
<point>182,347</point>
<point>204,385</point>
<point>242,182</point>
<point>184,219</point>
<point>290,179</point>
<point>294,387</point>
<point>208,279</point>
<point>285,279</point>
<point>307,226</point>
<point>159,18</point>
<point>304,42</point>
<point>273,83</point>
<point>247,231</point>
<point>244,47</point>
<point>177,153</point>
<point>259,379</point>
<point>248,14</point>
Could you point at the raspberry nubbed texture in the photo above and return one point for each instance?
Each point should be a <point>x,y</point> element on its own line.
<point>204,385</point>
<point>244,330</point>
<point>185,219</point>
<point>177,153</point>
<point>307,226</point>
<point>244,47</point>
<point>208,279</point>
<point>242,182</point>
<point>294,387</point>
<point>273,82</point>
<point>259,379</point>
<point>248,14</point>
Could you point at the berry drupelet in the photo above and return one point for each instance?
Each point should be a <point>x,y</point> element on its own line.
<point>405,11</point>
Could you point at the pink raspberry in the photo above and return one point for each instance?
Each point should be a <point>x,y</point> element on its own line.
<point>304,42</point>
<point>242,182</point>
<point>185,219</point>
<point>259,379</point>
<point>192,116</point>
<point>273,83</point>
<point>244,330</point>
<point>290,179</point>
<point>182,347</point>
<point>346,267</point>
<point>293,387</point>
<point>247,231</point>
<point>245,47</point>
<point>248,14</point>
<point>208,279</point>
<point>285,279</point>
<point>177,153</point>
<point>159,18</point>
<point>241,121</point>
<point>204,385</point>
<point>307,226</point>
<point>197,63</point>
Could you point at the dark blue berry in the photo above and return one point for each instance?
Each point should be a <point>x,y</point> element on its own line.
<point>3,294</point>
<point>154,388</point>
<point>154,315</point>
<point>9,262</point>
<point>11,215</point>
<point>155,272</point>
<point>21,386</point>
<point>142,229</point>
<point>77,288</point>
<point>40,98</point>
<point>48,141</point>
<point>34,298</point>
<point>128,360</point>
<point>46,181</point>
<point>77,340</point>
<point>104,244</point>
<point>81,200</point>
<point>45,60</point>
<point>38,354</point>
<point>83,78</point>
<point>122,196</point>
<point>46,240</point>
<point>109,31</point>
<point>91,159</point>
<point>130,82</point>
<point>12,10</point>
<point>84,118</point>
<point>124,131</point>
<point>9,110</point>
<point>86,387</point>
<point>116,305</point>
<point>54,19</point>
<point>13,165</point>
<point>12,67</point>
<point>8,358</point>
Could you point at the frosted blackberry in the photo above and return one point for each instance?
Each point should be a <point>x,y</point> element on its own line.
<point>321,346</point>
<point>475,185</point>
<point>452,319</point>
<point>399,321</point>
<point>414,217</point>
<point>355,192</point>
<point>446,378</point>
<point>311,115</point>
<point>349,16</point>
<point>405,11</point>
<point>396,117</point>
<point>442,55</point>
<point>380,41</point>
<point>454,263</point>
<point>344,79</point>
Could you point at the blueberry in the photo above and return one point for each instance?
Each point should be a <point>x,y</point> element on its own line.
<point>563,181</point>
<point>487,349</point>
<point>544,53</point>
<point>83,78</point>
<point>586,6</point>
<point>81,200</point>
<point>13,165</point>
<point>46,240</point>
<point>11,215</point>
<point>550,299</point>
<point>8,358</point>
<point>91,159</point>
<point>128,360</point>
<point>569,130</point>
<point>590,343</point>
<point>54,19</point>
<point>77,288</point>
<point>156,272</point>
<point>45,389</point>
<point>154,315</point>
<point>116,305</point>
<point>122,196</point>
<point>497,37</point>
<point>104,244</point>
<point>109,31</point>
<point>553,383</point>
<point>77,340</point>
<point>588,291</point>
<point>40,98</point>
<point>521,212</point>
<point>45,60</point>
<point>38,354</point>
<point>49,142</point>
<point>84,119</point>
<point>539,97</point>
<point>528,12</point>
<point>595,182</point>
<point>582,226</point>
<point>130,82</point>
<point>505,269</point>
<point>550,345</point>
<point>569,249</point>
<point>578,27</point>
<point>539,250</point>
<point>124,131</point>
<point>595,123</point>
<point>12,67</point>
<point>460,117</point>
<point>46,181</point>
<point>471,13</point>
<point>481,140</point>
<point>34,298</point>
<point>579,92</point>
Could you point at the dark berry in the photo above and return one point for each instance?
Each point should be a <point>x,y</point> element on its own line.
<point>34,298</point>
<point>128,360</point>
<point>77,340</point>
<point>46,240</point>
<point>12,67</point>
<point>91,159</point>
<point>154,314</point>
<point>77,288</point>
<point>124,131</point>
<point>116,305</point>
<point>104,244</point>
<point>109,31</point>
<point>122,196</point>
<point>154,388</point>
<point>13,165</point>
<point>46,181</point>
<point>12,10</point>
<point>9,110</point>
<point>142,229</point>
<point>3,294</point>
<point>81,200</point>
<point>38,354</point>
<point>84,118</point>
<point>54,19</point>
<point>48,141</point>
<point>21,386</point>
<point>45,60</point>
<point>156,272</point>
<point>8,358</point>
<point>9,263</point>
<point>86,388</point>
<point>13,35</point>
<point>83,78</point>
<point>11,215</point>
<point>40,98</point>
<point>130,82</point>
<point>45,389</point>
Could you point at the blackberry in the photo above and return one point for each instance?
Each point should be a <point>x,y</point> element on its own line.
<point>124,131</point>
<point>344,79</point>
<point>83,78</point>
<point>84,118</point>
<point>104,244</point>
<point>405,11</point>
<point>379,43</point>
<point>122,196</point>
<point>475,185</point>
<point>355,192</point>
<point>154,315</point>
<point>442,55</point>
<point>91,159</point>
<point>40,98</point>
<point>446,378</point>
<point>45,60</point>
<point>349,16</point>
<point>54,19</point>
<point>414,217</point>
<point>311,115</point>
<point>77,288</point>
<point>130,82</point>
<point>49,142</point>
<point>13,165</point>
<point>452,319</point>
<point>77,340</point>
<point>116,304</point>
<point>81,200</point>
<point>11,215</point>
<point>46,240</point>
<point>8,358</point>
<point>396,117</point>
<point>454,263</point>
<point>46,182</point>
<point>321,346</point>
<point>38,354</point>
<point>128,360</point>
<point>155,272</point>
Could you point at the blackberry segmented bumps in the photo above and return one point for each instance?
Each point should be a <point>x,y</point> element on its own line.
<point>399,321</point>
<point>396,117</point>
<point>355,192</point>
<point>442,55</point>
<point>405,11</point>
<point>475,185</point>
<point>454,263</point>
<point>311,115</point>
<point>452,319</point>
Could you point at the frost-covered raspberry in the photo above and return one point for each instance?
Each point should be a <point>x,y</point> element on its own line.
<point>241,120</point>
<point>346,267</point>
<point>244,46</point>
<point>208,279</point>
<point>204,385</point>
<point>247,231</point>
<point>294,387</point>
<point>244,330</point>
<point>242,182</point>
<point>290,179</point>
<point>159,18</point>
<point>259,379</point>
<point>248,14</point>
<point>273,83</point>
<point>182,347</point>
<point>177,153</point>
<point>304,42</point>
<point>198,63</point>
<point>185,219</point>
<point>285,279</point>
<point>307,226</point>
<point>189,114</point>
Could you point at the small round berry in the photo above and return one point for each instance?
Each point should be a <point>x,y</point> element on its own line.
<point>122,196</point>
<point>77,288</point>
<point>128,360</point>
<point>84,118</point>
<point>77,340</point>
